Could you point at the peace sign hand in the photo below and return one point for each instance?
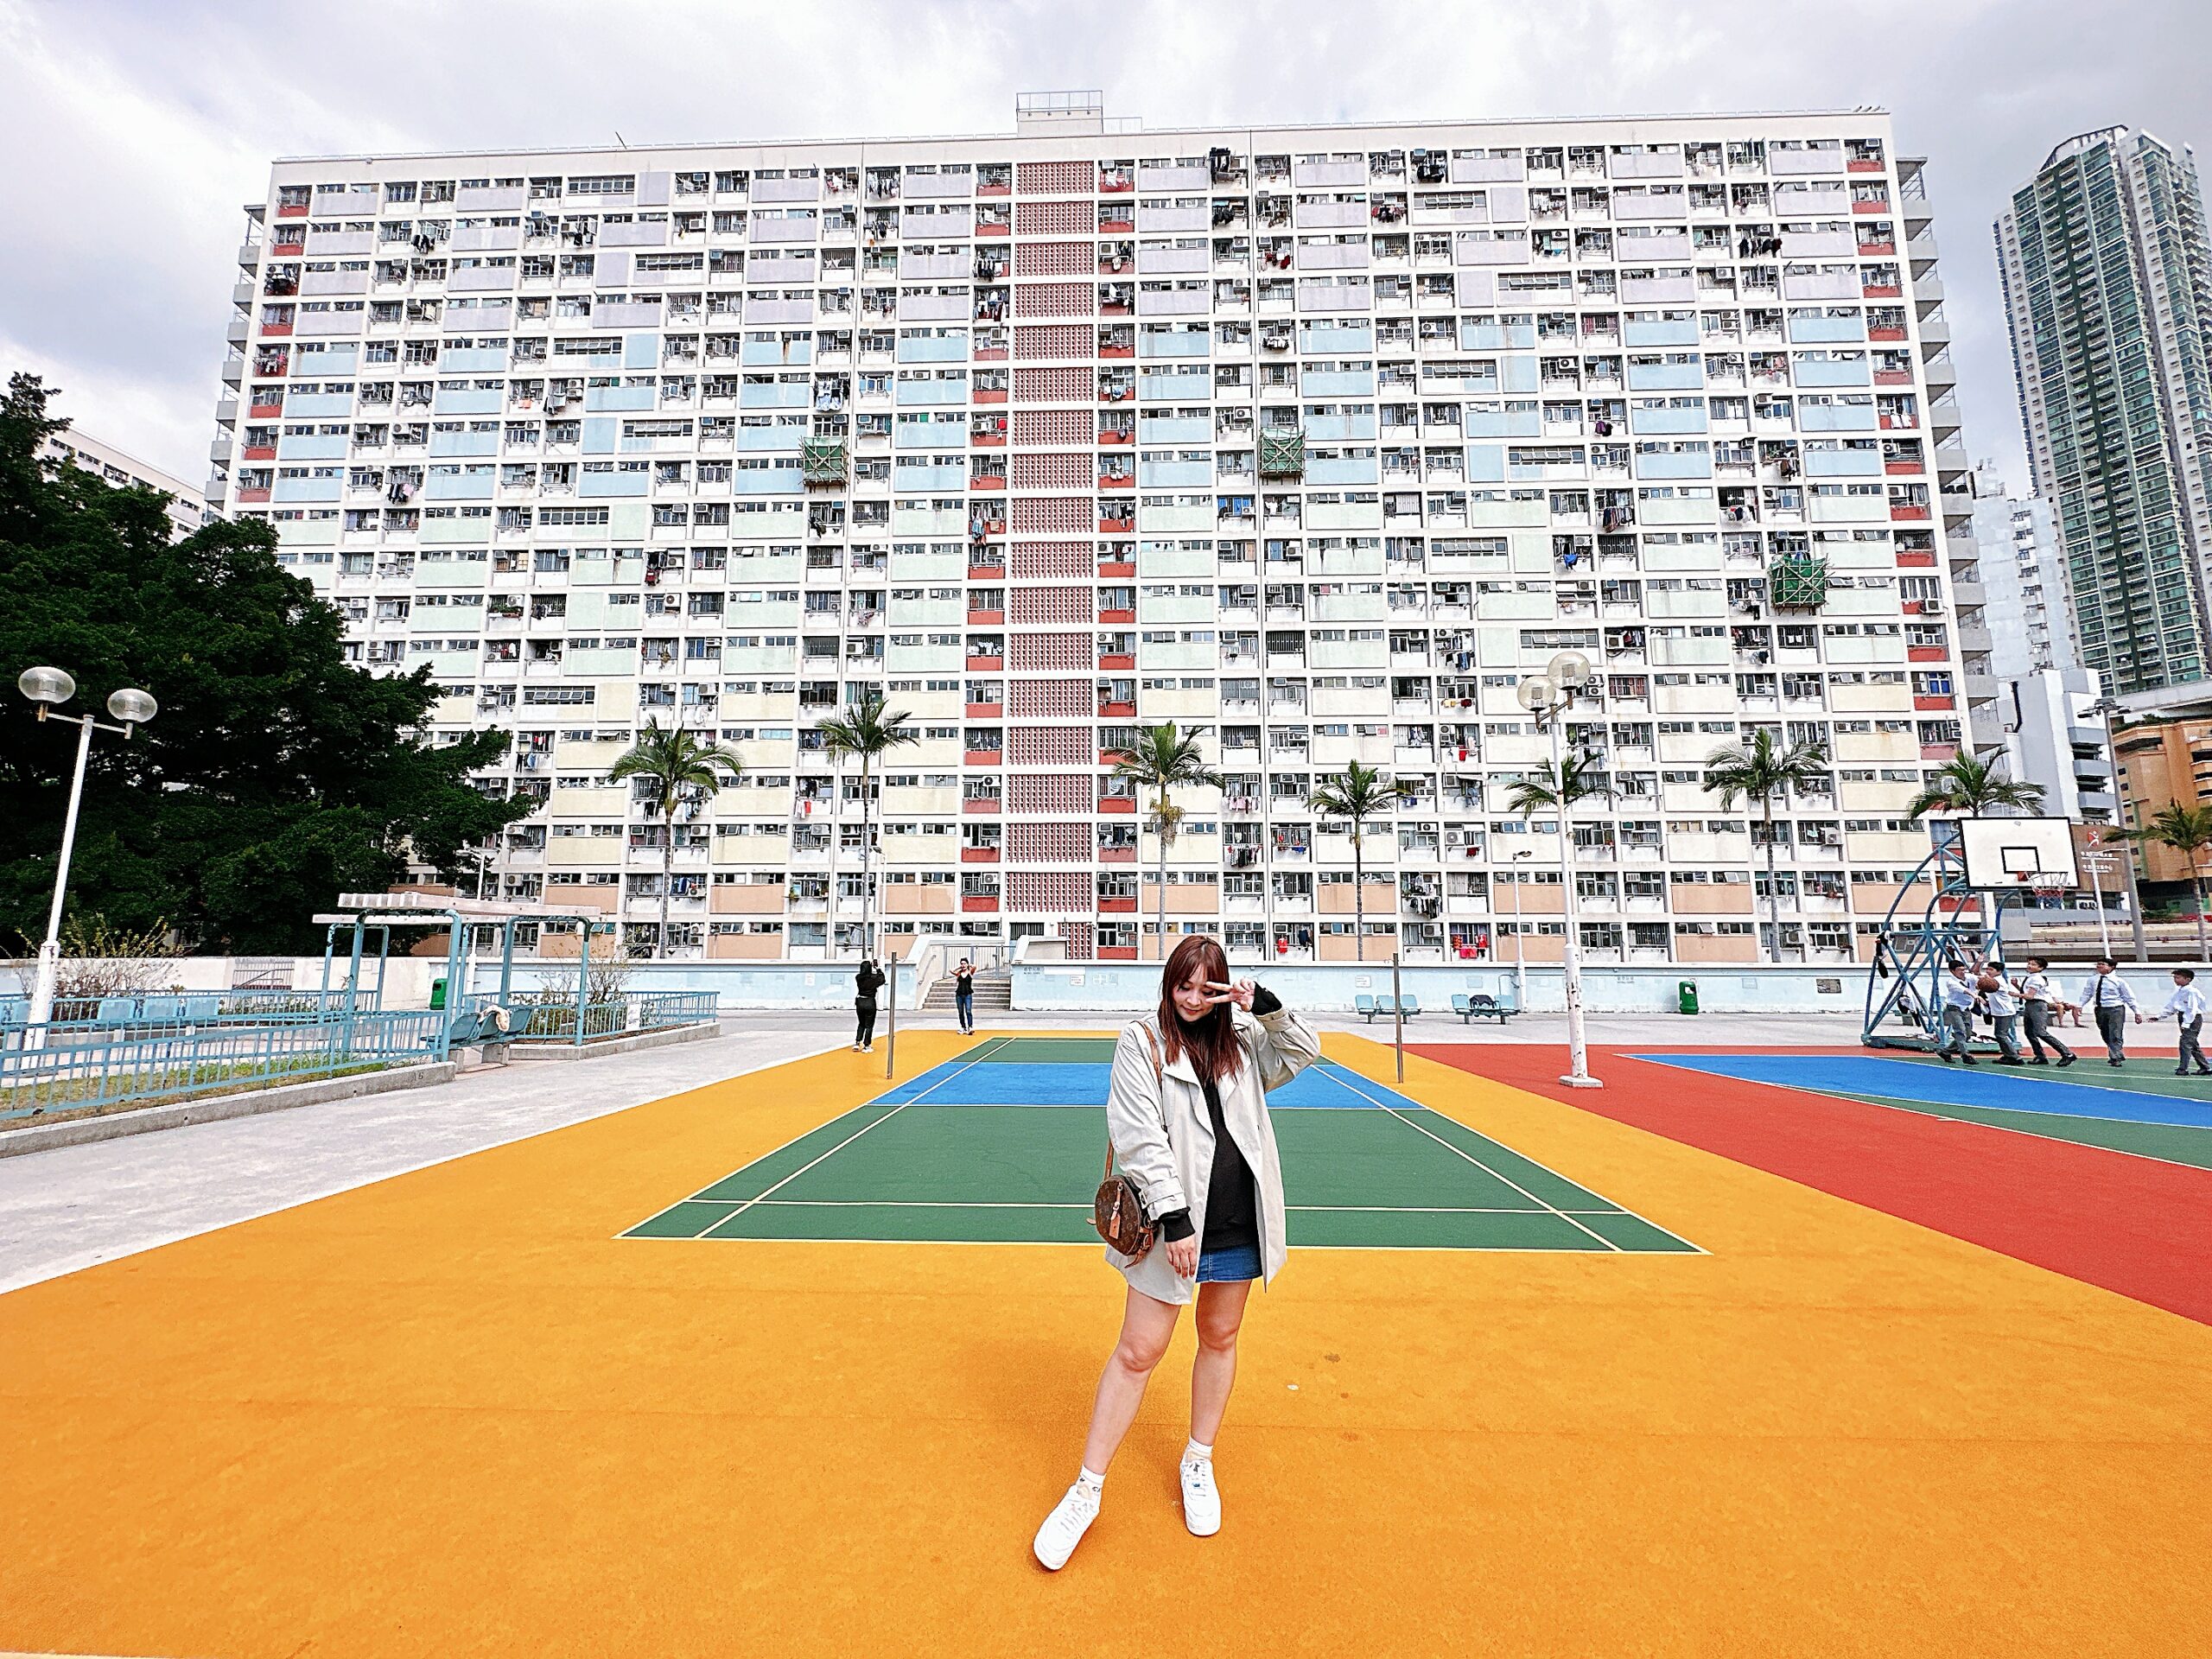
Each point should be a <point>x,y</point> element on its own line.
<point>1241,993</point>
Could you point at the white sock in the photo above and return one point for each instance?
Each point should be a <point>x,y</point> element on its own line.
<point>1087,1482</point>
<point>1193,1452</point>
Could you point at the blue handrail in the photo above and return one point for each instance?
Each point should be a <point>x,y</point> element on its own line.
<point>80,1065</point>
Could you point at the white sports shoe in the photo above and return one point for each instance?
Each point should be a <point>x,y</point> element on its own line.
<point>1065,1526</point>
<point>1201,1497</point>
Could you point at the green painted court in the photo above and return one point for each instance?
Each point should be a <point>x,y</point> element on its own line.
<point>1004,1143</point>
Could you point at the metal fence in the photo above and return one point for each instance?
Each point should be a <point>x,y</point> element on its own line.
<point>542,1016</point>
<point>81,1066</point>
<point>148,1048</point>
<point>140,1009</point>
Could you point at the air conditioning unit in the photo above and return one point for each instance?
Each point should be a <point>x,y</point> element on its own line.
<point>1931,607</point>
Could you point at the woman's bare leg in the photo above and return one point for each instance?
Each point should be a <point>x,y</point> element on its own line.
<point>1147,1326</point>
<point>1221,1312</point>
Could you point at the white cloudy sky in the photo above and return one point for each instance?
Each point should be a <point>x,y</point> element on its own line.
<point>138,127</point>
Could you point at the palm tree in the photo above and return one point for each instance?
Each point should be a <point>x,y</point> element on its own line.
<point>673,761</point>
<point>1578,778</point>
<point>1357,794</point>
<point>864,731</point>
<point>1763,770</point>
<point>1969,787</point>
<point>2188,830</point>
<point>1163,758</point>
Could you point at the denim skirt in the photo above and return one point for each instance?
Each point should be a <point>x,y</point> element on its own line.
<point>1239,1263</point>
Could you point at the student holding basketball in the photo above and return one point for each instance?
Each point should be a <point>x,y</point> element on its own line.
<point>1187,1115</point>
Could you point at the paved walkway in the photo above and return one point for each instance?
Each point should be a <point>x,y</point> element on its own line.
<point>74,1206</point>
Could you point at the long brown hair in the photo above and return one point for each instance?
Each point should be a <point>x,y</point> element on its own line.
<point>1212,1038</point>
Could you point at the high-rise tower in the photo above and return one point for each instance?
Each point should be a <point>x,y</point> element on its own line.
<point>2107,288</point>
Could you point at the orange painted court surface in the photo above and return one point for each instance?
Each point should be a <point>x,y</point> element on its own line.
<point>457,1413</point>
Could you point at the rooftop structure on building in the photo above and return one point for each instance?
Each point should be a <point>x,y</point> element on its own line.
<point>2107,277</point>
<point>1314,440</point>
<point>188,510</point>
<point>2029,611</point>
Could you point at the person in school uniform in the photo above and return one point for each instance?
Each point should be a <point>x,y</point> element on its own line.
<point>2004,1011</point>
<point>2105,993</point>
<point>1956,1013</point>
<point>2037,997</point>
<point>2187,1006</point>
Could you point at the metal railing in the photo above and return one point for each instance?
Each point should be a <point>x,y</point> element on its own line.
<point>72,1067</point>
<point>132,1009</point>
<point>543,1016</point>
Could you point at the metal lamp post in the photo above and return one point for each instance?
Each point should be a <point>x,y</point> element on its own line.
<point>2104,708</point>
<point>1546,696</point>
<point>47,687</point>
<point>1520,938</point>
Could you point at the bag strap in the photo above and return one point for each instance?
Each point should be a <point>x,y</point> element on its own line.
<point>1158,1078</point>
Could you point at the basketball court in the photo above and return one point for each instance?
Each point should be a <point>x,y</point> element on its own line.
<point>794,1364</point>
<point>994,1135</point>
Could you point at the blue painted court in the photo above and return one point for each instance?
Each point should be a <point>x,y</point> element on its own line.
<point>979,1083</point>
<point>2082,1091</point>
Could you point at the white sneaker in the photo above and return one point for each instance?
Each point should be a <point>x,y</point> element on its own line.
<point>1065,1526</point>
<point>1201,1497</point>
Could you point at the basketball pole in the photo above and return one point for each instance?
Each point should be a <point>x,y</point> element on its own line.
<point>1397,1018</point>
<point>891,1024</point>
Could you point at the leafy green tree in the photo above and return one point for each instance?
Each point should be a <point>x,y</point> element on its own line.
<point>1357,794</point>
<point>1577,780</point>
<point>674,765</point>
<point>1972,786</point>
<point>864,732</point>
<point>277,775</point>
<point>1764,772</point>
<point>2187,830</point>
<point>1163,759</point>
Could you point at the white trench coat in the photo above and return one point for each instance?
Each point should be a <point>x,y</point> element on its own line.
<point>1163,1135</point>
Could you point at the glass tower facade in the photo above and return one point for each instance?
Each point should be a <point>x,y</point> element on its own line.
<point>2108,288</point>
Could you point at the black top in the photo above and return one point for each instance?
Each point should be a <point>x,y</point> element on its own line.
<point>1232,1192</point>
<point>866,982</point>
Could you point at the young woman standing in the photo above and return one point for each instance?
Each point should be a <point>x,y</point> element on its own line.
<point>1187,1114</point>
<point>866,983</point>
<point>963,996</point>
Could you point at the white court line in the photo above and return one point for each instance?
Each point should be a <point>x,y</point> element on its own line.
<point>1015,1203</point>
<point>846,1141</point>
<point>989,1044</point>
<point>1487,1169</point>
<point>1092,1245</point>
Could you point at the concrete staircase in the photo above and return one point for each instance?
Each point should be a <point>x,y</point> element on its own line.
<point>994,994</point>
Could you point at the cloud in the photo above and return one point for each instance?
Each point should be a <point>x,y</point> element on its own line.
<point>138,129</point>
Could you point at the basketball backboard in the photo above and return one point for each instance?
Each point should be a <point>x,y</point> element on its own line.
<point>2018,854</point>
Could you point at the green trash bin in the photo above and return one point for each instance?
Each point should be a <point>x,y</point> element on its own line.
<point>437,993</point>
<point>1685,996</point>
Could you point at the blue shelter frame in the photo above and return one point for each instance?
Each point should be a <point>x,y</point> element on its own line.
<point>383,912</point>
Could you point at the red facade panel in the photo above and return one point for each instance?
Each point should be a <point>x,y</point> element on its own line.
<point>1054,260</point>
<point>1060,470</point>
<point>1053,178</point>
<point>1048,607</point>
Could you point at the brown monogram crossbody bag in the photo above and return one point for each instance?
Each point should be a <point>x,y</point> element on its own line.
<point>1118,1210</point>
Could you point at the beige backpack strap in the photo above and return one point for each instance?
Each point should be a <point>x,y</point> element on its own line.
<point>1151,1044</point>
